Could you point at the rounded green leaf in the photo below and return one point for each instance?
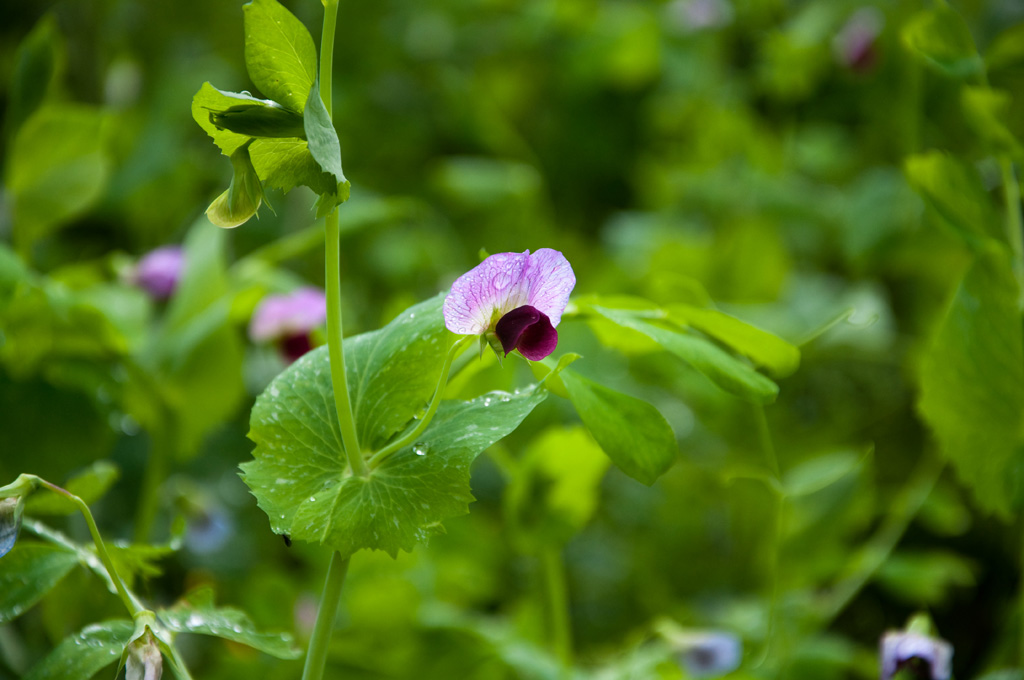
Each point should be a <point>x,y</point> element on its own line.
<point>941,39</point>
<point>279,53</point>
<point>28,572</point>
<point>81,656</point>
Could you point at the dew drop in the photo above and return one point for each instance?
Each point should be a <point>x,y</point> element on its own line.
<point>487,401</point>
<point>505,398</point>
<point>419,449</point>
<point>312,499</point>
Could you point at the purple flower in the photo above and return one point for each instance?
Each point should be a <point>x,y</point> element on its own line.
<point>516,297</point>
<point>855,46</point>
<point>289,319</point>
<point>922,655</point>
<point>708,653</point>
<point>159,271</point>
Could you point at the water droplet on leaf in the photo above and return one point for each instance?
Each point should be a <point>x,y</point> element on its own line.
<point>419,449</point>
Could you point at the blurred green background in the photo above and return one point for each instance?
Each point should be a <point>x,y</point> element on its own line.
<point>749,153</point>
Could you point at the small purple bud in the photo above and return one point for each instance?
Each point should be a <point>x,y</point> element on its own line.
<point>707,654</point>
<point>288,320</point>
<point>924,656</point>
<point>856,44</point>
<point>692,16</point>
<point>529,330</point>
<point>159,271</point>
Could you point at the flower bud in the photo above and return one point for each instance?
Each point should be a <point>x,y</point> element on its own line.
<point>259,120</point>
<point>159,271</point>
<point>242,199</point>
<point>10,522</point>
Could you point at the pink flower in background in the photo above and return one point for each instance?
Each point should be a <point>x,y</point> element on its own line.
<point>159,271</point>
<point>517,297</point>
<point>289,319</point>
<point>856,44</point>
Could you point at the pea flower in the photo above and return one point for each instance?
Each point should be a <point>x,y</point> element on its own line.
<point>706,654</point>
<point>924,656</point>
<point>289,320</point>
<point>856,44</point>
<point>515,298</point>
<point>159,271</point>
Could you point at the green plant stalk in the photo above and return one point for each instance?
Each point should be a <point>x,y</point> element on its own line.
<point>339,381</point>
<point>877,550</point>
<point>157,464</point>
<point>316,655</point>
<point>764,436</point>
<point>1014,224</point>
<point>556,598</point>
<point>410,438</point>
<point>133,607</point>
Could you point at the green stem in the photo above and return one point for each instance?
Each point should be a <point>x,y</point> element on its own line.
<point>764,436</point>
<point>874,554</point>
<point>130,603</point>
<point>557,605</point>
<point>316,656</point>
<point>342,403</point>
<point>410,438</point>
<point>157,464</point>
<point>1014,225</point>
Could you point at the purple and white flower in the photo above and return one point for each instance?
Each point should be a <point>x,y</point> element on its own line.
<point>856,44</point>
<point>518,298</point>
<point>159,271</point>
<point>925,656</point>
<point>289,320</point>
<point>708,653</point>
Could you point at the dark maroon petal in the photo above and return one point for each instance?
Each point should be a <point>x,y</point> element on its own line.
<point>512,326</point>
<point>294,346</point>
<point>528,330</point>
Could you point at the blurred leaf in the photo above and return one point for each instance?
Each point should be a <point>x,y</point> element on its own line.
<point>81,656</point>
<point>955,192</point>
<point>1007,49</point>
<point>90,485</point>
<point>279,53</point>
<point>555,491</point>
<point>36,64</point>
<point>820,472</point>
<point>58,166</point>
<point>28,572</point>
<point>133,559</point>
<point>631,432</point>
<point>988,111</point>
<point>761,347</point>
<point>940,37</point>
<point>972,380</point>
<point>730,374</point>
<point>925,578</point>
<point>195,613</point>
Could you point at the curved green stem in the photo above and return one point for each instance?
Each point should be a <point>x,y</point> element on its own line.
<point>130,603</point>
<point>316,656</point>
<point>410,438</point>
<point>161,452</point>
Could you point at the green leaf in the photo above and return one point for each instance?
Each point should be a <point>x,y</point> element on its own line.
<point>631,432</point>
<point>729,373</point>
<point>926,578</point>
<point>1007,49</point>
<point>989,112</point>
<point>58,166</point>
<point>36,63</point>
<point>323,142</point>
<point>941,39</point>
<point>84,654</point>
<point>279,53</point>
<point>763,348</point>
<point>972,380</point>
<point>209,100</point>
<point>195,613</point>
<point>956,193</point>
<point>28,572</point>
<point>555,492</point>
<point>299,475</point>
<point>820,472</point>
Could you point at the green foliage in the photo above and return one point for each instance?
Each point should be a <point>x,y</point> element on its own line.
<point>84,654</point>
<point>300,476</point>
<point>196,613</point>
<point>633,433</point>
<point>28,572</point>
<point>58,167</point>
<point>972,380</point>
<point>955,193</point>
<point>941,39</point>
<point>990,111</point>
<point>279,53</point>
<point>37,63</point>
